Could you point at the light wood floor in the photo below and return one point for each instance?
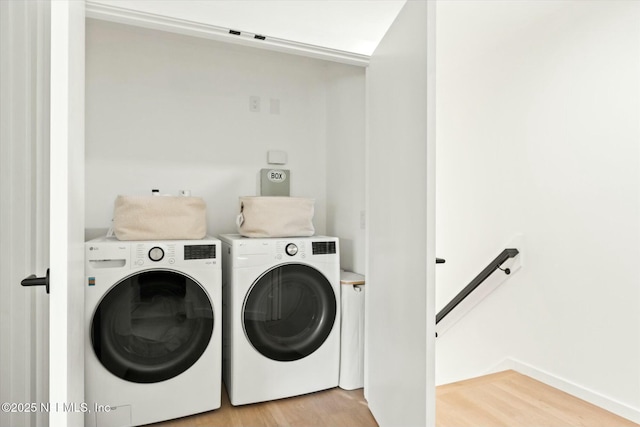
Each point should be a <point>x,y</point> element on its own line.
<point>329,408</point>
<point>511,399</point>
<point>506,399</point>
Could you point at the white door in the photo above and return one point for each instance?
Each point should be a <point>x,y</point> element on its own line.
<point>400,335</point>
<point>23,312</point>
<point>42,211</point>
<point>66,310</point>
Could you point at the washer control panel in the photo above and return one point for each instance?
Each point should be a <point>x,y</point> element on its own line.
<point>168,253</point>
<point>110,253</point>
<point>153,253</point>
<point>287,249</point>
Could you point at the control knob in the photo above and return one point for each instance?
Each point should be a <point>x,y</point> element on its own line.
<point>291,249</point>
<point>156,254</point>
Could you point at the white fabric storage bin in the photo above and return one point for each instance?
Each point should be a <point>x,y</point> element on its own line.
<point>351,331</point>
<point>276,217</point>
<point>159,218</point>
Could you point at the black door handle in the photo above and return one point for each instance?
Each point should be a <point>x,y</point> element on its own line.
<point>440,261</point>
<point>37,281</point>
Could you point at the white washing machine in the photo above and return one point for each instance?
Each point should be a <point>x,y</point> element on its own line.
<point>281,315</point>
<point>153,349</point>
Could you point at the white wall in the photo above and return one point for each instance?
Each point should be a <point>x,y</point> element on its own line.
<point>538,112</point>
<point>345,166</point>
<point>172,112</point>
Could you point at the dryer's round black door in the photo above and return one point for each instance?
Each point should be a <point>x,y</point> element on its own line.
<point>289,312</point>
<point>152,326</point>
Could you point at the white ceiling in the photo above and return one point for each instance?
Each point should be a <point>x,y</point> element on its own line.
<point>355,26</point>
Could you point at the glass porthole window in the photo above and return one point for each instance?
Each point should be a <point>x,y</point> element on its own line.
<point>152,326</point>
<point>289,312</point>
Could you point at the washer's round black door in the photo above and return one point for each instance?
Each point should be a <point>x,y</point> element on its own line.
<point>289,312</point>
<point>152,326</point>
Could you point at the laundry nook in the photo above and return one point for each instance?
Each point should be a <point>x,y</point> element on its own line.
<point>370,213</point>
<point>225,193</point>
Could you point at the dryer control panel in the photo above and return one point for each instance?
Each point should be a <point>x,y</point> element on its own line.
<point>249,252</point>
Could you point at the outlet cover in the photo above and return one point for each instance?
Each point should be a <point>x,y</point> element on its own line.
<point>254,104</point>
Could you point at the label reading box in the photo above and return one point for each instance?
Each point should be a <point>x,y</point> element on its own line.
<point>274,182</point>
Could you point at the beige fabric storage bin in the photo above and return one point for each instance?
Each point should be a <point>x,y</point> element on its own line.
<point>159,218</point>
<point>276,217</point>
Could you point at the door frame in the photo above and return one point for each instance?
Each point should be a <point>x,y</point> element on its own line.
<point>66,215</point>
<point>67,147</point>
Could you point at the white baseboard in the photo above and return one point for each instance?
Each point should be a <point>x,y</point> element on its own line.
<point>573,389</point>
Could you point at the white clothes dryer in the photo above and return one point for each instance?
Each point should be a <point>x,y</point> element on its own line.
<point>281,316</point>
<point>153,324</point>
